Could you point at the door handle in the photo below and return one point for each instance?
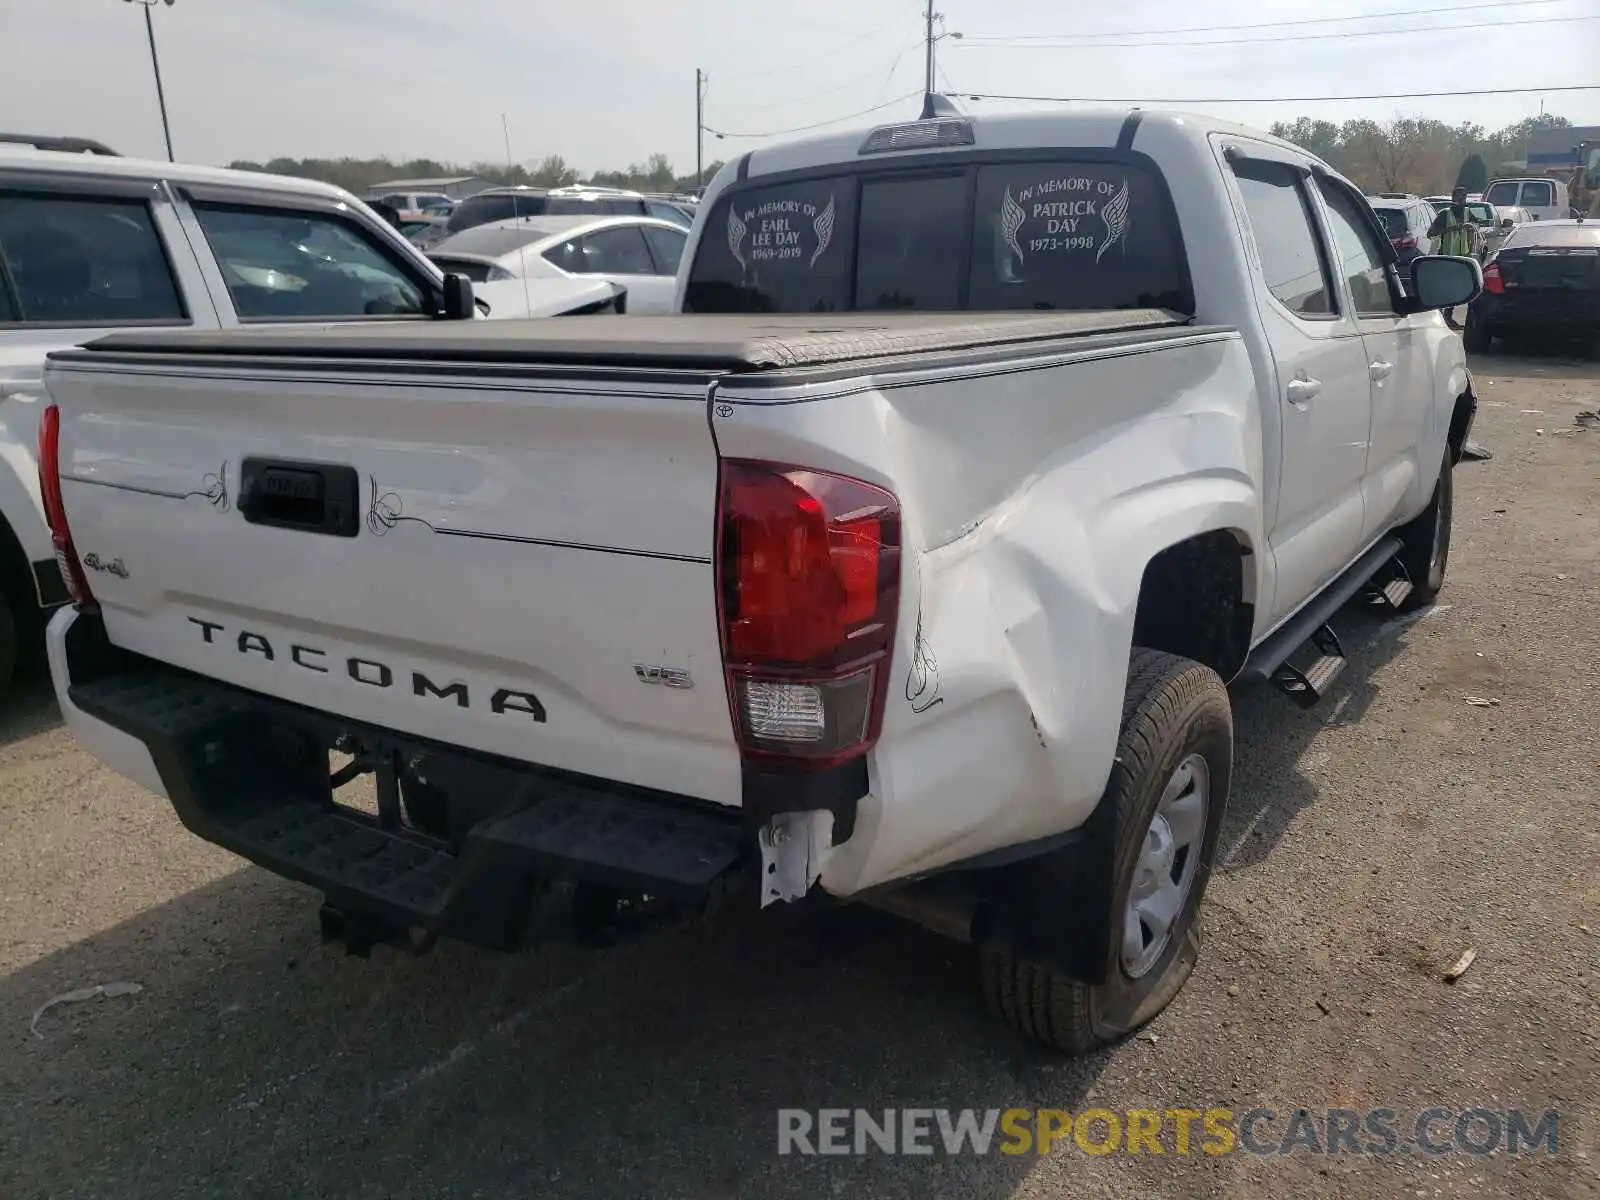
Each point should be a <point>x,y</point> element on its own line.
<point>1301,391</point>
<point>1380,369</point>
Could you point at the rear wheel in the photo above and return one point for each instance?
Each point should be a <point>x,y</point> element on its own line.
<point>1167,790</point>
<point>1425,548</point>
<point>8,641</point>
<point>1476,337</point>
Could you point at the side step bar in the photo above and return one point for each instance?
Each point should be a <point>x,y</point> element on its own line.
<point>1308,683</point>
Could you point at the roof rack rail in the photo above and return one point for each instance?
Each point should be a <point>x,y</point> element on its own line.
<point>67,145</point>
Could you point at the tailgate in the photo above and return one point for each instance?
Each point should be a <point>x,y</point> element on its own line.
<point>494,560</point>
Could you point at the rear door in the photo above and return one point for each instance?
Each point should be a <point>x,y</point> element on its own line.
<point>1323,394</point>
<point>1399,366</point>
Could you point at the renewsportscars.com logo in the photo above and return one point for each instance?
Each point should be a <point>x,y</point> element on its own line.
<point>1177,1131</point>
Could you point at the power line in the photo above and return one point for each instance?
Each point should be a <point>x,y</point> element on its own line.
<point>1409,12</point>
<point>723,133</point>
<point>1573,87</point>
<point>810,64</point>
<point>1296,37</point>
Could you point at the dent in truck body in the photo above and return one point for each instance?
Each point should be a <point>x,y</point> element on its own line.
<point>1025,545</point>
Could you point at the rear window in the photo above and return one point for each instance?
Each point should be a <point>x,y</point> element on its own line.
<point>503,206</point>
<point>1502,193</point>
<point>1394,221</point>
<point>1046,234</point>
<point>1537,193</point>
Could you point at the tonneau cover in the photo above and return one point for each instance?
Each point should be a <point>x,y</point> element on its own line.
<point>721,342</point>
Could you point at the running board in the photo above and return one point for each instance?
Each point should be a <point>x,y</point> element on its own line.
<point>1308,684</point>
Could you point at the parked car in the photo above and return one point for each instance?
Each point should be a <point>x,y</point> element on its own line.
<point>1544,279</point>
<point>411,205</point>
<point>1406,220</point>
<point>1545,199</point>
<point>1505,220</point>
<point>91,242</point>
<point>639,253</point>
<point>510,203</point>
<point>809,591</point>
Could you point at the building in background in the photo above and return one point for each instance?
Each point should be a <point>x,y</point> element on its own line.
<point>457,187</point>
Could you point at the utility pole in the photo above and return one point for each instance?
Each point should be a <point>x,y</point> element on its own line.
<point>932,41</point>
<point>155,64</point>
<point>699,128</point>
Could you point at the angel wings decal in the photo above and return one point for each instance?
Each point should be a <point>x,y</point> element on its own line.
<point>1012,215</point>
<point>1115,215</point>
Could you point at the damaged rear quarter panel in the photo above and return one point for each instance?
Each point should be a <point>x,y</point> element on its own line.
<point>1031,501</point>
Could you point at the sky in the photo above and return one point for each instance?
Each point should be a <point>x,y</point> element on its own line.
<point>609,82</point>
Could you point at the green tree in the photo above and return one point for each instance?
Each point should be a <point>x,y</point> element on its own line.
<point>1474,174</point>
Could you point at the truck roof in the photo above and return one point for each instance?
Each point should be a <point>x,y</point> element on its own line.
<point>709,342</point>
<point>1008,131</point>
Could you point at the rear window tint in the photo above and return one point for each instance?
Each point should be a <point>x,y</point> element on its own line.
<point>1048,234</point>
<point>1075,235</point>
<point>1537,193</point>
<point>912,244</point>
<point>787,248</point>
<point>1502,193</point>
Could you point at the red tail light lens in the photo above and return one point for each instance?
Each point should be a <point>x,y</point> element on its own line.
<point>810,587</point>
<point>1408,242</point>
<point>1491,279</point>
<point>55,511</point>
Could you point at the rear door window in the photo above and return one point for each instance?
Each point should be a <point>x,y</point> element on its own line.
<point>84,261</point>
<point>620,251</point>
<point>1286,239</point>
<point>785,248</point>
<point>1076,235</point>
<point>666,247</point>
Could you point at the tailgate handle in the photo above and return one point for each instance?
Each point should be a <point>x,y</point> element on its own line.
<point>307,496</point>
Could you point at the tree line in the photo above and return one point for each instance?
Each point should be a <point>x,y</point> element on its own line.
<point>1405,154</point>
<point>361,174</point>
<point>1417,154</point>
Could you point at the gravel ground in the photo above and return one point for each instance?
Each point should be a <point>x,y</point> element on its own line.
<point>1369,842</point>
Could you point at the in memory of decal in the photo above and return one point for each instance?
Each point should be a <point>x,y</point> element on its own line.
<point>1069,215</point>
<point>780,231</point>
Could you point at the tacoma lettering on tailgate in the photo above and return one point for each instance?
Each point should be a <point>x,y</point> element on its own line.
<point>367,670</point>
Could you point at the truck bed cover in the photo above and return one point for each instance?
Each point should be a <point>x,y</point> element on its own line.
<point>701,343</point>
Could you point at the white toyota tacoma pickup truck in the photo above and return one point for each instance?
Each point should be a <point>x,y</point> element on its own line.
<point>907,565</point>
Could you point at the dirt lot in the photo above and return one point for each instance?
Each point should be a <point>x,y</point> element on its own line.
<point>1369,843</point>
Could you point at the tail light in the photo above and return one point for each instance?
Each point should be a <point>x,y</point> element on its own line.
<point>55,512</point>
<point>1407,242</point>
<point>1491,279</point>
<point>809,568</point>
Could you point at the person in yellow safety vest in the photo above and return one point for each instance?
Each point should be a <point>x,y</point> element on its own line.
<point>1454,229</point>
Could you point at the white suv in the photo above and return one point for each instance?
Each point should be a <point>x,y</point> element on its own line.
<point>91,242</point>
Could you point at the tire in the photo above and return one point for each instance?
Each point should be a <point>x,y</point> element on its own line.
<point>1476,337</point>
<point>1175,712</point>
<point>1425,548</point>
<point>8,642</point>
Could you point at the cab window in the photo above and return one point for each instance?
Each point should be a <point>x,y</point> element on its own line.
<point>281,264</point>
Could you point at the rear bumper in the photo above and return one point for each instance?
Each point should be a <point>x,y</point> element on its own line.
<point>1538,308</point>
<point>514,853</point>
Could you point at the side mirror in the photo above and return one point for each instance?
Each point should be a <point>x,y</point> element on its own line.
<point>458,305</point>
<point>1506,222</point>
<point>1440,281</point>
